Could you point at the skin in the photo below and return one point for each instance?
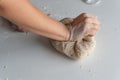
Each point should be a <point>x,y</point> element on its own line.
<point>28,17</point>
<point>88,20</point>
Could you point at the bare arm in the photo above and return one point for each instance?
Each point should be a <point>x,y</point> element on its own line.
<point>24,14</point>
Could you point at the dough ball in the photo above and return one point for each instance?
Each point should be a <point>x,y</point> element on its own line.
<point>74,49</point>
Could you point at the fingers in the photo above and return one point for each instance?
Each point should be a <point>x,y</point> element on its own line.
<point>91,24</point>
<point>90,29</point>
<point>91,21</point>
<point>87,18</point>
<point>82,26</point>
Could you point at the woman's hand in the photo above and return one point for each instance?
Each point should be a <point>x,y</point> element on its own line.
<point>89,22</point>
<point>82,26</point>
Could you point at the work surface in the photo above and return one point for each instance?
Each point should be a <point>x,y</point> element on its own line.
<point>31,57</point>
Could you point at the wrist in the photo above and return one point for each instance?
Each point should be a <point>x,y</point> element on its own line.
<point>67,36</point>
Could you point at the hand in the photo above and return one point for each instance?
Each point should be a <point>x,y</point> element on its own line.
<point>82,26</point>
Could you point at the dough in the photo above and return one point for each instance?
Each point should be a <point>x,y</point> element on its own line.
<point>74,49</point>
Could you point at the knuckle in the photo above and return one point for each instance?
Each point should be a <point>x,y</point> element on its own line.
<point>85,15</point>
<point>95,28</point>
<point>98,22</point>
<point>98,28</point>
<point>87,20</point>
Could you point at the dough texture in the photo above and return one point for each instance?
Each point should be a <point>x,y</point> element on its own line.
<point>74,49</point>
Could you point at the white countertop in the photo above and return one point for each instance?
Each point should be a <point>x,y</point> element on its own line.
<point>31,57</point>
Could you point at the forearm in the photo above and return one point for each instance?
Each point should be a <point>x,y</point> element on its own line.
<point>26,15</point>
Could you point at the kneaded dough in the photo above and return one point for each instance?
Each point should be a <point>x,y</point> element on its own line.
<point>75,49</point>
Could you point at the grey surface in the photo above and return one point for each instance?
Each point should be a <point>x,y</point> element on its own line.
<point>31,57</point>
